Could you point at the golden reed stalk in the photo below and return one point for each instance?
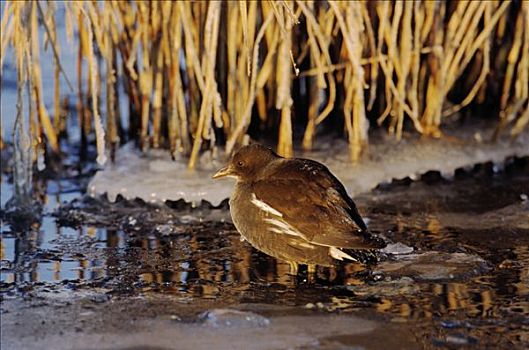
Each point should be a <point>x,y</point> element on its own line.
<point>201,74</point>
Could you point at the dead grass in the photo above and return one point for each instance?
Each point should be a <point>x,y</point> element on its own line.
<point>194,71</point>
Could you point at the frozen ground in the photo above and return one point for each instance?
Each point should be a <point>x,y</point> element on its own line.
<point>156,323</point>
<point>154,177</point>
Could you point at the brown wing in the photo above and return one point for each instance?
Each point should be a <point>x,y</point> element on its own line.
<point>321,178</point>
<point>319,213</point>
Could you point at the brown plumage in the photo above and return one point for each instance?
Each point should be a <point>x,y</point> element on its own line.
<point>293,209</point>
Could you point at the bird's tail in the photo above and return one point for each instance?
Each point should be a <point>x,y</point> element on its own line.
<point>365,256</point>
<point>373,241</point>
<point>370,254</point>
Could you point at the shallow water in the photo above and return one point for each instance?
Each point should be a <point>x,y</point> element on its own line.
<point>466,282</point>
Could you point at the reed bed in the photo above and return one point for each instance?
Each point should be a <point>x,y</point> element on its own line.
<point>202,75</point>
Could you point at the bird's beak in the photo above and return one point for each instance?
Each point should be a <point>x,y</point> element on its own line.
<point>226,171</point>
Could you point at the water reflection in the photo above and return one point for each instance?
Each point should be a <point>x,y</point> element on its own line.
<point>209,260</point>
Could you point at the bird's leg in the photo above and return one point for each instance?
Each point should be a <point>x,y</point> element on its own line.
<point>293,268</point>
<point>311,273</point>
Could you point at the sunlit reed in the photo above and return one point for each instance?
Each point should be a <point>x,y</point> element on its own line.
<point>192,71</point>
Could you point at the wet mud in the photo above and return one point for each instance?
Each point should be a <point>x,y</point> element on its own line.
<point>91,274</point>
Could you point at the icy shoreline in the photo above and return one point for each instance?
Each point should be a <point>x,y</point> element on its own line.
<point>155,178</point>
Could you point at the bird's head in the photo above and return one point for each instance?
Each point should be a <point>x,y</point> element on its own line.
<point>247,163</point>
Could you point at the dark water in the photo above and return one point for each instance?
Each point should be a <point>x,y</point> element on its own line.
<point>467,284</point>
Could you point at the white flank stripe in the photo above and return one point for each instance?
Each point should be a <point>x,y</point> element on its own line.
<point>305,245</point>
<point>282,227</point>
<point>275,230</point>
<point>339,255</point>
<point>265,207</point>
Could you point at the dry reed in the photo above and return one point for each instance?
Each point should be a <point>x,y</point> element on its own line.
<point>198,74</point>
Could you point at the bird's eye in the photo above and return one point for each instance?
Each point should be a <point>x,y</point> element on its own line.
<point>240,163</point>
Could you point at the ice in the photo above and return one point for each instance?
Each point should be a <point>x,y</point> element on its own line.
<point>397,249</point>
<point>221,318</point>
<point>154,177</point>
<point>434,266</point>
<point>165,230</point>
